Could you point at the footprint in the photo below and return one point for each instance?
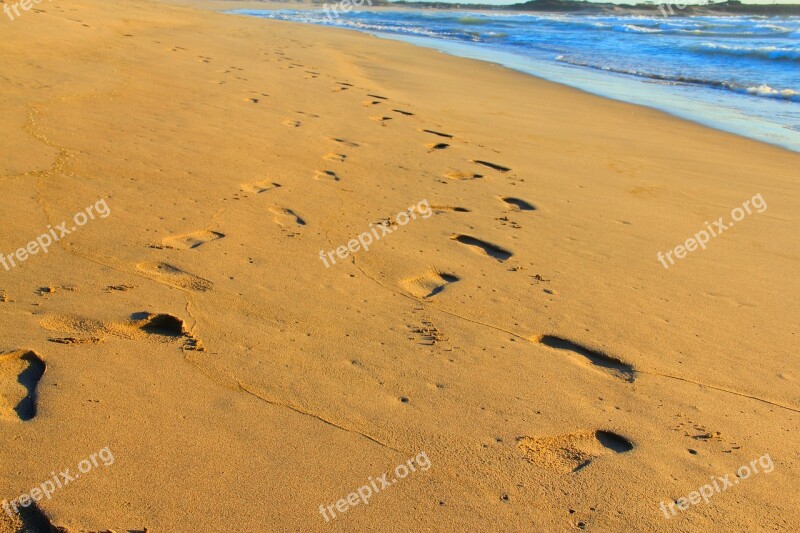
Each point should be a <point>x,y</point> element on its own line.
<point>335,157</point>
<point>169,327</point>
<point>159,324</point>
<point>286,217</point>
<point>20,372</point>
<point>292,123</point>
<point>483,247</point>
<point>326,175</point>
<point>500,168</point>
<point>376,96</point>
<point>345,142</point>
<point>458,175</point>
<point>429,284</point>
<point>191,240</point>
<point>174,276</point>
<point>444,208</point>
<point>574,451</point>
<point>381,118</point>
<point>517,204</point>
<point>606,363</point>
<point>437,146</point>
<point>440,134</point>
<point>143,325</point>
<point>259,186</point>
<point>406,113</point>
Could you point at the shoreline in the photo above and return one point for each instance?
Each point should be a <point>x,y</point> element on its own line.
<point>615,86</point>
<point>520,334</point>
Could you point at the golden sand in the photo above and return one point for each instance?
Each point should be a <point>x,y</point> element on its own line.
<point>524,337</point>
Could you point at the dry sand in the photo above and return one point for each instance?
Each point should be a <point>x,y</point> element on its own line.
<point>554,373</point>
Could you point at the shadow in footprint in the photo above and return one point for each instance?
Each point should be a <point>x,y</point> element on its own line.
<point>439,134</point>
<point>518,204</point>
<point>437,146</point>
<point>28,368</point>
<point>483,247</point>
<point>605,362</point>
<point>29,378</point>
<point>326,175</point>
<point>612,441</point>
<point>35,521</point>
<point>493,166</point>
<point>164,325</point>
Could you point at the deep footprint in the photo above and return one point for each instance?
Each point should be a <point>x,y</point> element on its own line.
<point>574,451</point>
<point>604,362</point>
<point>438,133</point>
<point>493,166</point>
<point>517,204</point>
<point>483,247</point>
<point>437,146</point>
<point>20,372</point>
<point>168,327</point>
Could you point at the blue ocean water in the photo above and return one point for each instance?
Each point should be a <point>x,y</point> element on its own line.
<point>740,74</point>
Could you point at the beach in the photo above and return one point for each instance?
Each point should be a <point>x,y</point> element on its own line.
<point>299,258</point>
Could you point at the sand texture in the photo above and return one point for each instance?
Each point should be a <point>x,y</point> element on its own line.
<point>518,331</point>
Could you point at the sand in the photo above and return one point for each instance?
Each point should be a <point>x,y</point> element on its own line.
<point>521,334</point>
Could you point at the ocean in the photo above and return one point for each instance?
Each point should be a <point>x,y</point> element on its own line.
<point>735,73</point>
